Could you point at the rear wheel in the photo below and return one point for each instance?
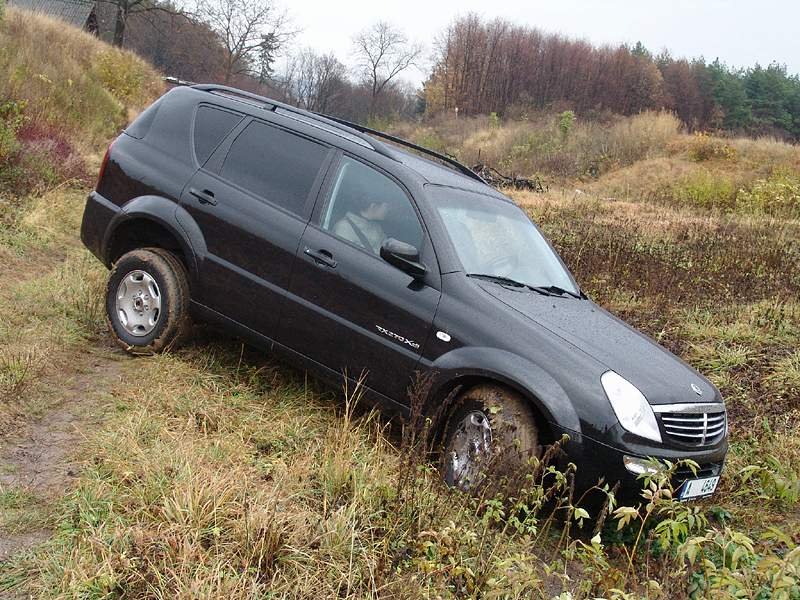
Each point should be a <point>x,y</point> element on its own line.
<point>147,301</point>
<point>491,431</point>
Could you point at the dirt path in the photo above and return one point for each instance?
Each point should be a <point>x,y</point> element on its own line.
<point>41,460</point>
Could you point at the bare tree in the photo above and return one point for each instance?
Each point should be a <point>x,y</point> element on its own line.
<point>315,81</point>
<point>124,9</point>
<point>250,31</point>
<point>184,48</point>
<point>383,52</point>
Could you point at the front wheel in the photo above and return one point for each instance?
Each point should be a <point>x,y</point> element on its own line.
<point>147,301</point>
<point>491,432</point>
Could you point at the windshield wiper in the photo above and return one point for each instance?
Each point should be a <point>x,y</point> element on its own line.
<point>508,281</point>
<point>561,291</point>
<point>545,290</point>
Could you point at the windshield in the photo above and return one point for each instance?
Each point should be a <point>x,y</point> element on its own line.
<point>496,238</point>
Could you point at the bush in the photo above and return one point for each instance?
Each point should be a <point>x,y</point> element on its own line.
<point>34,156</point>
<point>706,190</point>
<point>121,74</point>
<point>565,122</point>
<point>704,147</point>
<point>778,195</point>
<point>10,121</point>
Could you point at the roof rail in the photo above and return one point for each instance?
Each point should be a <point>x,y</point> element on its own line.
<point>225,90</point>
<point>272,105</point>
<point>465,170</point>
<point>360,131</point>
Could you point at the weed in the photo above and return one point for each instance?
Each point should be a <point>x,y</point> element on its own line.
<point>17,369</point>
<point>778,195</point>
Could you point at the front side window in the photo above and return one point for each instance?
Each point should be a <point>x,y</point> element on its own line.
<point>496,238</point>
<point>274,164</point>
<point>366,208</point>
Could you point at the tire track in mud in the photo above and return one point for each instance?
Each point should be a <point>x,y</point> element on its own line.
<point>40,460</point>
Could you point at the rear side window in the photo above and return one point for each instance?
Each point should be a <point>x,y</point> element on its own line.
<point>211,125</point>
<point>274,164</point>
<point>141,125</point>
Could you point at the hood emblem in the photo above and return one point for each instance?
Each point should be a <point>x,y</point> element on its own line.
<point>696,389</point>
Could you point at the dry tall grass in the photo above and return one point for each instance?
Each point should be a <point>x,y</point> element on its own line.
<point>645,157</point>
<point>538,145</point>
<point>69,80</point>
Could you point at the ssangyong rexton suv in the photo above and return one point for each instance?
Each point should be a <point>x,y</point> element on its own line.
<point>318,240</point>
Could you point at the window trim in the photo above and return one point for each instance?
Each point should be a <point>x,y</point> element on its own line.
<point>326,193</point>
<point>193,129</point>
<point>222,152</point>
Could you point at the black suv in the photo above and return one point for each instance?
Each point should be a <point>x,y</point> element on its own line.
<point>339,247</point>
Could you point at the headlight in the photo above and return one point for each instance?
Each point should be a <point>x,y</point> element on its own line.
<point>631,407</point>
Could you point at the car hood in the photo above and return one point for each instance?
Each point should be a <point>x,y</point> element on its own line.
<point>660,375</point>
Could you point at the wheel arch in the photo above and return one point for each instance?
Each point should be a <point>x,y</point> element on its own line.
<point>547,400</point>
<point>152,221</point>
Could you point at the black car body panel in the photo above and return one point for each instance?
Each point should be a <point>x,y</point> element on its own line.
<point>263,263</point>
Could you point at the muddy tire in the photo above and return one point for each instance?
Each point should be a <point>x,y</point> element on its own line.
<point>490,431</point>
<point>147,301</point>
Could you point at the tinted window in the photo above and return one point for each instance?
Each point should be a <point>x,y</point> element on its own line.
<point>278,166</point>
<point>366,207</point>
<point>141,125</point>
<point>211,125</point>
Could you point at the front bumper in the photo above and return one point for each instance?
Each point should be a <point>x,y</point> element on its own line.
<point>596,461</point>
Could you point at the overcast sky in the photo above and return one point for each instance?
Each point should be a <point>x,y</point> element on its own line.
<point>739,32</point>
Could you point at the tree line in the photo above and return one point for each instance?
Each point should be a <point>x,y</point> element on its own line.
<point>485,66</point>
<point>479,66</point>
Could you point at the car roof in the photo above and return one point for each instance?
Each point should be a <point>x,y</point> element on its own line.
<point>429,165</point>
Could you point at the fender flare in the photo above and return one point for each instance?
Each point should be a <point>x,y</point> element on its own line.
<point>169,215</point>
<point>535,384</point>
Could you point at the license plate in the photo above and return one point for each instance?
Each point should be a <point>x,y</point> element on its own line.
<point>697,488</point>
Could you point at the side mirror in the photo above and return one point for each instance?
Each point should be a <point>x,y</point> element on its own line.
<point>403,256</point>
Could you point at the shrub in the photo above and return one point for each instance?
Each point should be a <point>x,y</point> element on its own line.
<point>778,195</point>
<point>704,147</point>
<point>770,479</point>
<point>121,74</point>
<point>706,190</point>
<point>34,156</point>
<point>565,122</point>
<point>11,120</point>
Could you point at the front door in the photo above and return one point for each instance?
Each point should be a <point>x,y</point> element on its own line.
<point>349,309</point>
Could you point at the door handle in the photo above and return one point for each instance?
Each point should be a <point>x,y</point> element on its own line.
<point>205,196</point>
<point>321,257</point>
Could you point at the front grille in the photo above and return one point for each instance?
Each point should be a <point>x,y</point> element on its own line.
<point>693,424</point>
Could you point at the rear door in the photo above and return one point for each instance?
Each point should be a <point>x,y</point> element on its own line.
<point>348,308</point>
<point>252,200</point>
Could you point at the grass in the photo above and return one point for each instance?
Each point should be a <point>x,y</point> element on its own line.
<point>214,471</point>
<point>227,474</point>
<point>642,158</point>
<point>69,80</point>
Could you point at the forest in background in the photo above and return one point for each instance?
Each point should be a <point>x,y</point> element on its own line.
<point>477,65</point>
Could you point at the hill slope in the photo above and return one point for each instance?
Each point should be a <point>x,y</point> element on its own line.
<point>215,471</point>
<point>69,80</point>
